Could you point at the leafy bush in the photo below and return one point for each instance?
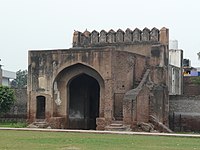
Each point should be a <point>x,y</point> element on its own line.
<point>7,99</point>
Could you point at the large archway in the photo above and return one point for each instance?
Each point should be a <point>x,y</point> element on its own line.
<point>84,95</point>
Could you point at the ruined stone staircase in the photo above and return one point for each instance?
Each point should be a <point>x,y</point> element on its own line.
<point>117,126</point>
<point>39,123</point>
<point>159,125</point>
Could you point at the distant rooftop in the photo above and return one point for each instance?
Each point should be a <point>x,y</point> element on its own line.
<point>8,74</point>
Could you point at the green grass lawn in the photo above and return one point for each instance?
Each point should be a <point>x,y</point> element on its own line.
<point>35,140</point>
<point>13,124</point>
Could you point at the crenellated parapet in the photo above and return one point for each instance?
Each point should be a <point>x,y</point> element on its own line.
<point>94,38</point>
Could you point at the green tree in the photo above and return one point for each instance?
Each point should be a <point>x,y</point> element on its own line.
<point>21,79</point>
<point>7,99</point>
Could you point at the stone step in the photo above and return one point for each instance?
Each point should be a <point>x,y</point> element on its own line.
<point>117,126</point>
<point>39,124</point>
<point>121,128</point>
<point>40,120</point>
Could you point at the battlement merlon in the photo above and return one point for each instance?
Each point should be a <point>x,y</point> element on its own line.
<point>94,38</point>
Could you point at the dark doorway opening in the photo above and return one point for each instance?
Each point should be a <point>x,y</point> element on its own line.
<point>41,103</point>
<point>83,102</point>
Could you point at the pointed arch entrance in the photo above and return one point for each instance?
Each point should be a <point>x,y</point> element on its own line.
<point>84,95</point>
<point>81,91</point>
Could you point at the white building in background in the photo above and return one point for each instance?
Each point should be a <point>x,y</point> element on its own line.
<point>6,76</point>
<point>176,57</point>
<point>173,44</point>
<point>175,69</point>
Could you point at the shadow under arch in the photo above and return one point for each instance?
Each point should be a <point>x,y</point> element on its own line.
<point>84,93</point>
<point>90,87</point>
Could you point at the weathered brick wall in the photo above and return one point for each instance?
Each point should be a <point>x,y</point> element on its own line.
<point>95,38</point>
<point>20,106</point>
<point>123,66</point>
<point>184,113</point>
<point>186,104</point>
<point>159,104</point>
<point>189,86</point>
<point>128,70</point>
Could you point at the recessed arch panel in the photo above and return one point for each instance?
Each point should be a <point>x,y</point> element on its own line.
<point>81,80</point>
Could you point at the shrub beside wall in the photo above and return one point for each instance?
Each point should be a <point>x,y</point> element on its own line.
<point>18,112</point>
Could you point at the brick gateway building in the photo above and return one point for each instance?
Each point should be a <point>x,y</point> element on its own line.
<point>105,77</point>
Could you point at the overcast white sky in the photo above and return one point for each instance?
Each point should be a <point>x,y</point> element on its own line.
<point>49,24</point>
